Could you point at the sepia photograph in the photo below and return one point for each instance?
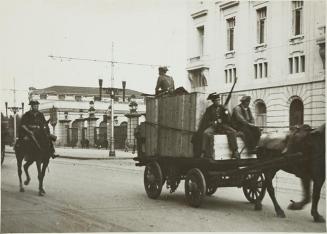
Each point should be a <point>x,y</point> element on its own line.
<point>163,116</point>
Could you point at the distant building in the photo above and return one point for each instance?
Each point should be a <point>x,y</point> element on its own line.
<point>80,118</point>
<point>276,49</point>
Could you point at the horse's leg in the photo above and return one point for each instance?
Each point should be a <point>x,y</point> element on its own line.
<point>317,184</point>
<point>306,195</point>
<point>41,176</point>
<point>19,159</point>
<point>271,191</point>
<point>26,166</point>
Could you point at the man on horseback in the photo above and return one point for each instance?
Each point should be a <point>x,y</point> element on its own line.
<point>31,123</point>
<point>243,121</point>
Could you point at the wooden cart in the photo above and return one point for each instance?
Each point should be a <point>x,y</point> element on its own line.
<point>165,149</point>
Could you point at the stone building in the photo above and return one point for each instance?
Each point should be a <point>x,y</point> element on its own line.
<point>80,116</point>
<point>276,49</point>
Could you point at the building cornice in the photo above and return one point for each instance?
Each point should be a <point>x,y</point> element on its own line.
<point>227,4</point>
<point>272,86</point>
<point>199,14</point>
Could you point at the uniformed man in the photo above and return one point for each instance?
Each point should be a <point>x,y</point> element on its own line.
<point>243,121</point>
<point>165,84</point>
<point>216,120</point>
<point>31,124</point>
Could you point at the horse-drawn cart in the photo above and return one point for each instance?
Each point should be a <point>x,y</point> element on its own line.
<point>166,151</point>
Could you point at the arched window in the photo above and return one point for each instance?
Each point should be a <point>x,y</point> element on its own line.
<point>260,113</point>
<point>296,112</point>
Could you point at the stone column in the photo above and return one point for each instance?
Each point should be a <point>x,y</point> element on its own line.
<point>62,131</point>
<point>91,124</point>
<point>133,121</point>
<point>80,125</point>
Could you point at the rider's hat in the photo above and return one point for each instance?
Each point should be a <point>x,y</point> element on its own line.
<point>245,98</point>
<point>213,96</point>
<point>34,102</point>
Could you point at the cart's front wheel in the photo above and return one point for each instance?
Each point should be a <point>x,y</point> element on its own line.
<point>153,180</point>
<point>195,187</point>
<point>253,187</point>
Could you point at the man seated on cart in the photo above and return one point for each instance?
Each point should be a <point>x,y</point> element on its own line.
<point>217,120</point>
<point>243,121</point>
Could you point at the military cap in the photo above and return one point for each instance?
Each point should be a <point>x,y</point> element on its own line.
<point>164,68</point>
<point>245,98</point>
<point>213,96</point>
<point>34,102</point>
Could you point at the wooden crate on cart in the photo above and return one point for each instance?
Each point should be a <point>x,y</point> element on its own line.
<point>171,122</point>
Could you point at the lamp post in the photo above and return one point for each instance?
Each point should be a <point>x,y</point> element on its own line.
<point>15,109</point>
<point>112,140</point>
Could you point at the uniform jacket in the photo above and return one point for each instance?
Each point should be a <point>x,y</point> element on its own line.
<point>212,114</point>
<point>239,116</point>
<point>29,119</point>
<point>166,83</point>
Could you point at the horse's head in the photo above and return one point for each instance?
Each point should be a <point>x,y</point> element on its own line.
<point>303,138</point>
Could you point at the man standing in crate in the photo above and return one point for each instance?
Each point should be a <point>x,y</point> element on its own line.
<point>243,121</point>
<point>216,120</point>
<point>165,84</point>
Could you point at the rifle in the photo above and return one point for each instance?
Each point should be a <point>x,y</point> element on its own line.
<point>35,141</point>
<point>230,93</point>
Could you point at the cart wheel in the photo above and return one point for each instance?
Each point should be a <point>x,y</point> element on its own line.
<point>153,180</point>
<point>211,190</point>
<point>195,187</point>
<point>253,187</point>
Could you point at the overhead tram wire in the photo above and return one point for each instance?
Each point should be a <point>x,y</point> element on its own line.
<point>112,62</point>
<point>102,61</point>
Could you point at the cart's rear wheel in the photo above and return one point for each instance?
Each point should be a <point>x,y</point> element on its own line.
<point>153,180</point>
<point>253,187</point>
<point>195,187</point>
<point>211,190</point>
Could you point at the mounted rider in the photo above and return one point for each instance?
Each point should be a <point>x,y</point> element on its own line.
<point>32,124</point>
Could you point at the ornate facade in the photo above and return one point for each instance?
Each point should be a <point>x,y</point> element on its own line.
<point>276,49</point>
<point>80,116</point>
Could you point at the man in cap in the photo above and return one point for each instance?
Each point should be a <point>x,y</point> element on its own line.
<point>243,121</point>
<point>216,120</point>
<point>165,84</point>
<point>31,124</point>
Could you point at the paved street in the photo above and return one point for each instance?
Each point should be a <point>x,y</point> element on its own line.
<point>108,195</point>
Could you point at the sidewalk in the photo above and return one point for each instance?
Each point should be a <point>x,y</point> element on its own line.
<point>84,154</point>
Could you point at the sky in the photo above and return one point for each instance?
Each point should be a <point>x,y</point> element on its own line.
<point>145,31</point>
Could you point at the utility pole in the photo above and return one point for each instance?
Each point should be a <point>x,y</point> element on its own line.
<point>15,109</point>
<point>112,139</point>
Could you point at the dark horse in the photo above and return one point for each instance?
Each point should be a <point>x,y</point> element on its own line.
<point>309,142</point>
<point>33,150</point>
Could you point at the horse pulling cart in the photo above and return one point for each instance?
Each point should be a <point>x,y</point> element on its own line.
<point>165,149</point>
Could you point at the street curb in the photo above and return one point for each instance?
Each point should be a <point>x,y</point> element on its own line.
<point>84,158</point>
<point>87,158</point>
